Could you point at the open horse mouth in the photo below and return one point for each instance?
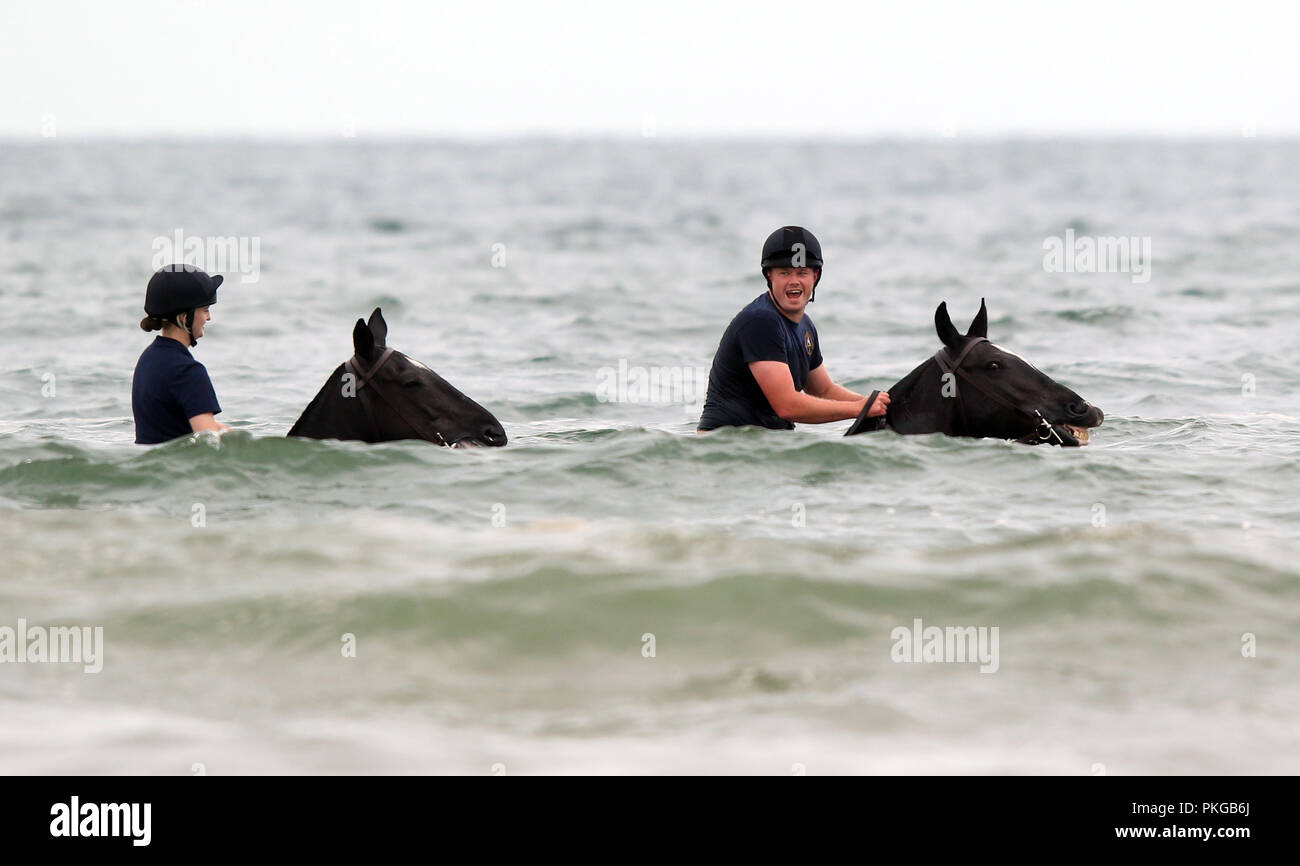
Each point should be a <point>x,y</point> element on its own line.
<point>1063,433</point>
<point>1069,435</point>
<point>1080,435</point>
<point>1059,433</point>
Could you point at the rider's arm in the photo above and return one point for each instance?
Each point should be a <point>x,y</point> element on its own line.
<point>206,421</point>
<point>778,386</point>
<point>819,384</point>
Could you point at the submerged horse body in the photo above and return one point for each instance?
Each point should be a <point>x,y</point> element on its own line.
<point>381,395</point>
<point>970,387</point>
<point>977,389</point>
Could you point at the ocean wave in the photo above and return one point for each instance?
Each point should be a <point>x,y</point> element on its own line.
<point>549,588</point>
<point>1107,315</point>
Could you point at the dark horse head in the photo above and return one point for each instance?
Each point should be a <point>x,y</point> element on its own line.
<point>972,387</point>
<point>379,395</point>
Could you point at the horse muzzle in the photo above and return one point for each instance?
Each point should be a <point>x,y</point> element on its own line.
<point>488,438</point>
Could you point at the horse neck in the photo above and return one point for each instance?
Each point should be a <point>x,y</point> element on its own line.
<point>917,406</point>
<point>331,415</point>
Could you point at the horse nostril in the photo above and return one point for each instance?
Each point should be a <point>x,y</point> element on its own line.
<point>494,435</point>
<point>1078,410</point>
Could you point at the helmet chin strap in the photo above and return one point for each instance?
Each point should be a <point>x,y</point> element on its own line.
<point>189,327</point>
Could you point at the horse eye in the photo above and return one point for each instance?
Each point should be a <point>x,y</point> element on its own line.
<point>993,365</point>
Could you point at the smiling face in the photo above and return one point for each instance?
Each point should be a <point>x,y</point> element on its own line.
<point>792,288</point>
<point>201,317</point>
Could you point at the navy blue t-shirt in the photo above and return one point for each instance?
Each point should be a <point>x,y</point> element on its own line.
<point>758,333</point>
<point>169,389</point>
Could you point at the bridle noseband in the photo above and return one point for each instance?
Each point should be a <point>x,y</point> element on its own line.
<point>363,376</point>
<point>1043,429</point>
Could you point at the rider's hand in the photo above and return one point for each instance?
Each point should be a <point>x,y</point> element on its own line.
<point>880,406</point>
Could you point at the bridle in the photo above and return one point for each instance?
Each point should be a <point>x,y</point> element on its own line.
<point>363,376</point>
<point>1043,430</point>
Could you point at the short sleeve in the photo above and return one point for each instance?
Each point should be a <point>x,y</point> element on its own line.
<point>194,391</point>
<point>762,339</point>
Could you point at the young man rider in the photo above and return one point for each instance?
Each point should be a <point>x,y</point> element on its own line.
<point>768,369</point>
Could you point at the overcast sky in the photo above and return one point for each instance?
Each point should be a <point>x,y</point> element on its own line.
<point>380,67</point>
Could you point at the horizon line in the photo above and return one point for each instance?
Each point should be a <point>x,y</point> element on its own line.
<point>1008,136</point>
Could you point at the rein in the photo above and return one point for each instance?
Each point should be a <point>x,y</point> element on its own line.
<point>364,375</point>
<point>1042,429</point>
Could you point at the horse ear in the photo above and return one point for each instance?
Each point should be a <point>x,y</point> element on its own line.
<point>979,326</point>
<point>379,327</point>
<point>948,335</point>
<point>363,342</point>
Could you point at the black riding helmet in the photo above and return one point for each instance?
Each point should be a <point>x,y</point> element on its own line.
<point>175,290</point>
<point>792,246</point>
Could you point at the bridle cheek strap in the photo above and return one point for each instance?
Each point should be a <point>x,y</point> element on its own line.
<point>363,376</point>
<point>954,367</point>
